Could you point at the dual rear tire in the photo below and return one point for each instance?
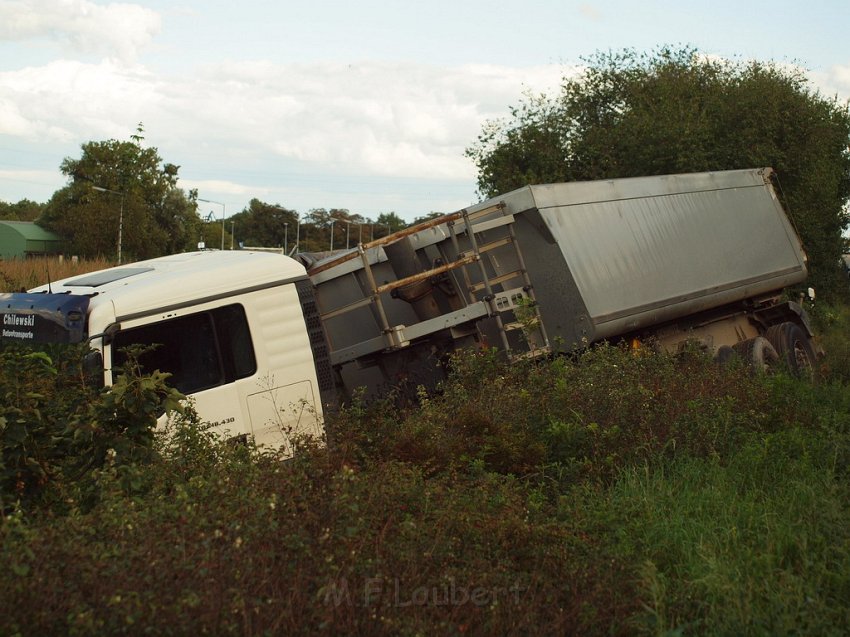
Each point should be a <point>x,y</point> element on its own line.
<point>758,352</point>
<point>794,347</point>
<point>785,344</point>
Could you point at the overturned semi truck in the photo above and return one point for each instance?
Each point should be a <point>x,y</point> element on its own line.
<point>264,343</point>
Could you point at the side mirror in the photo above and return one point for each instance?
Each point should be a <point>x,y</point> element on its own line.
<point>93,367</point>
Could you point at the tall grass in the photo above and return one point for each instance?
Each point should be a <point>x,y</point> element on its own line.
<point>23,274</point>
<point>756,544</point>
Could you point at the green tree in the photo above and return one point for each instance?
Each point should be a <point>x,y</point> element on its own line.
<point>676,111</point>
<point>24,210</point>
<point>320,223</point>
<point>390,221</point>
<point>158,217</point>
<point>265,225</point>
<point>429,217</point>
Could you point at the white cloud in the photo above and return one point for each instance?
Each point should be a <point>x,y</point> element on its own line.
<point>835,81</point>
<point>257,120</point>
<point>65,101</point>
<point>590,12</point>
<point>390,119</point>
<point>222,186</point>
<point>116,30</point>
<point>401,119</point>
<point>38,177</point>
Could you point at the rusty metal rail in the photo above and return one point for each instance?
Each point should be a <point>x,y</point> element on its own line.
<point>406,232</point>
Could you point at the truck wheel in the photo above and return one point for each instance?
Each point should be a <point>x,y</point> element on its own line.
<point>758,353</point>
<point>794,348</point>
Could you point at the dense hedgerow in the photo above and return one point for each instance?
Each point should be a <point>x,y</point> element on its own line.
<point>612,492</point>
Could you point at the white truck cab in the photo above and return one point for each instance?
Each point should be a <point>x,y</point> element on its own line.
<point>229,326</point>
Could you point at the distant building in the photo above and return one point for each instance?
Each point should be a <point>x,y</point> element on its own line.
<point>22,239</point>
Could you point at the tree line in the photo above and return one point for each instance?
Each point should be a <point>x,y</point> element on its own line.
<point>124,189</point>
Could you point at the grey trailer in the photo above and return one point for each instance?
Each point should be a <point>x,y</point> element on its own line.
<point>669,258</point>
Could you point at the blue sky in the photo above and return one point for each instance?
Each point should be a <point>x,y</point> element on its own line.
<point>366,106</point>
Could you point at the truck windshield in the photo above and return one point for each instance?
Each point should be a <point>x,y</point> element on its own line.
<point>200,350</point>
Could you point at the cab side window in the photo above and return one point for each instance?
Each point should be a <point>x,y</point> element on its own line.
<point>200,350</point>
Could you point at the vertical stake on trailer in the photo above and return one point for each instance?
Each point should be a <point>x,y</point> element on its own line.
<point>376,298</point>
<point>486,281</point>
<point>529,288</point>
<point>466,282</point>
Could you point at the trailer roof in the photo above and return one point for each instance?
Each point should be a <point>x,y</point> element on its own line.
<point>193,277</point>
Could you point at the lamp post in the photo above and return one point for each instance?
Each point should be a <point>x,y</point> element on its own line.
<point>286,238</point>
<point>218,203</point>
<point>120,216</point>
<point>347,233</point>
<point>333,221</point>
<point>232,233</point>
<point>386,225</point>
<point>297,227</point>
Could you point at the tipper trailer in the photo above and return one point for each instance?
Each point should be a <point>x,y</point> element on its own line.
<point>263,342</point>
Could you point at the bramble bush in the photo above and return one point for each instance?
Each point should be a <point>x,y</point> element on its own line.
<point>58,428</point>
<point>610,492</point>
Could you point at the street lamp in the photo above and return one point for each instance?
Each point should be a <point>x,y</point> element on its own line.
<point>285,238</point>
<point>120,216</point>
<point>386,225</point>
<point>218,203</point>
<point>297,226</point>
<point>347,233</point>
<point>333,221</point>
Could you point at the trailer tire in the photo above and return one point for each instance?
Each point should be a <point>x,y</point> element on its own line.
<point>794,347</point>
<point>758,353</point>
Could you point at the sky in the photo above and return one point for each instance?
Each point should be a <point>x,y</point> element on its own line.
<point>365,105</point>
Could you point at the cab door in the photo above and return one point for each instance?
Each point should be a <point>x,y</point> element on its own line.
<point>205,351</point>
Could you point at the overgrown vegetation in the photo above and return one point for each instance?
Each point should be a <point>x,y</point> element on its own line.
<point>608,493</point>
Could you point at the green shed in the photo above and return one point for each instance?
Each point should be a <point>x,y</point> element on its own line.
<point>22,239</point>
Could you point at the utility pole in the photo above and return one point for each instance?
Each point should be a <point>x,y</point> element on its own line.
<point>218,203</point>
<point>120,217</point>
